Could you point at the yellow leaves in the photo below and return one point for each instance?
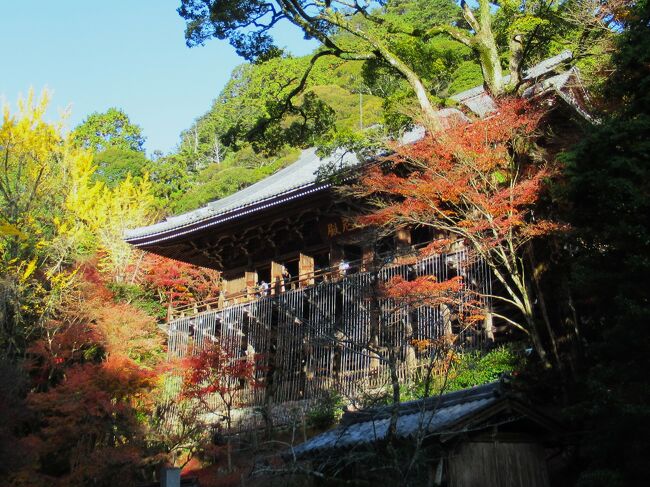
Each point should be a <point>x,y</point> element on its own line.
<point>29,270</point>
<point>33,171</point>
<point>29,136</point>
<point>8,230</point>
<point>101,214</point>
<point>62,280</point>
<point>51,208</point>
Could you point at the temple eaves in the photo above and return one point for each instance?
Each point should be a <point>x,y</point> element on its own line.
<point>300,178</point>
<point>292,182</point>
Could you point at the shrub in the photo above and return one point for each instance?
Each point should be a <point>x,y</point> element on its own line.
<point>327,411</point>
<point>140,298</point>
<point>467,370</point>
<point>476,368</point>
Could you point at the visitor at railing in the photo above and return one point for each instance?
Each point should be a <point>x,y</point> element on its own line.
<point>263,288</point>
<point>286,279</point>
<point>285,282</point>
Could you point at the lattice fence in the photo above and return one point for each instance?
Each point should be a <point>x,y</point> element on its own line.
<point>322,338</point>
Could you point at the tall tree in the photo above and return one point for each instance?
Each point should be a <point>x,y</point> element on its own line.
<point>372,31</point>
<point>112,129</point>
<point>609,176</point>
<point>35,242</point>
<point>477,185</point>
<point>352,31</point>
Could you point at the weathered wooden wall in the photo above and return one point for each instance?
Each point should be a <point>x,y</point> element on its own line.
<point>498,464</point>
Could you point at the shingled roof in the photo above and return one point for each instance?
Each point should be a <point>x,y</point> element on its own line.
<point>300,178</point>
<point>481,103</point>
<point>291,182</point>
<point>433,416</point>
<point>445,416</point>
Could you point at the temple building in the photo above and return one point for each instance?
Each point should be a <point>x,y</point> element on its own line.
<point>300,280</point>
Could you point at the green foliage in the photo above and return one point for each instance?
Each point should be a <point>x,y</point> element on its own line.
<point>142,299</point>
<point>421,14</point>
<point>466,76</point>
<point>346,106</point>
<point>115,163</point>
<point>171,176</point>
<point>467,369</point>
<point>327,411</point>
<point>477,368</point>
<point>112,129</point>
<point>608,179</point>
<point>240,169</point>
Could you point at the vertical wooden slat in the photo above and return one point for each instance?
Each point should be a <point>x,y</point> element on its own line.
<point>276,278</point>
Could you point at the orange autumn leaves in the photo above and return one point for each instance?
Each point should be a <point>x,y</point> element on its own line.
<point>477,181</point>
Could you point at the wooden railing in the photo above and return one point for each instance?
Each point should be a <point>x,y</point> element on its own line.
<point>326,274</point>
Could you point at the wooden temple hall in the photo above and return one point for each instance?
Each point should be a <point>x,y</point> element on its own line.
<point>300,281</point>
<point>298,284</point>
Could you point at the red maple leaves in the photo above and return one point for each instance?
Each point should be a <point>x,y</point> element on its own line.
<point>178,282</point>
<point>478,181</point>
<point>480,187</point>
<point>219,371</point>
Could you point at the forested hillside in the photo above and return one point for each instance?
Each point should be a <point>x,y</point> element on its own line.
<point>557,211</point>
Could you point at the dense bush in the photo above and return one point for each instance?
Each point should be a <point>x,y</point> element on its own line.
<point>327,411</point>
<point>464,370</point>
<point>476,368</point>
<point>143,299</point>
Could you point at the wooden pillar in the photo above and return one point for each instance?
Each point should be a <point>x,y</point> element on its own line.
<point>446,319</point>
<point>276,277</point>
<point>306,270</point>
<point>402,244</point>
<point>251,284</point>
<point>234,288</point>
<point>224,298</point>
<point>488,324</point>
<point>403,238</point>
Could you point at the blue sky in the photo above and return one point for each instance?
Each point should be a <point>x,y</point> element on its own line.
<point>130,54</point>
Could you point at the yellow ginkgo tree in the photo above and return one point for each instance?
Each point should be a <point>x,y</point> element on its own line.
<point>33,184</point>
<point>52,213</point>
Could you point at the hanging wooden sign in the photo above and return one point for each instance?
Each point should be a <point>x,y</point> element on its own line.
<point>330,228</point>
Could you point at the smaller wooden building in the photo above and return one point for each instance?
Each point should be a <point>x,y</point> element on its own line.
<point>484,436</point>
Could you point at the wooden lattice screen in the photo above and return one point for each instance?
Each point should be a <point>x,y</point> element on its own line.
<point>315,339</point>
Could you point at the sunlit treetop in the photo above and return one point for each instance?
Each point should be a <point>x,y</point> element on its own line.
<point>113,129</point>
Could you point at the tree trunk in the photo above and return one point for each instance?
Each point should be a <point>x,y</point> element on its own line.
<point>429,113</point>
<point>516,47</point>
<point>542,306</point>
<point>483,43</point>
<point>488,52</point>
<point>537,342</point>
<point>394,378</point>
<point>381,51</point>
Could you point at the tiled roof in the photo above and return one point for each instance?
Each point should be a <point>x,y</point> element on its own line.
<point>297,178</point>
<point>432,416</point>
<point>300,179</point>
<point>480,102</point>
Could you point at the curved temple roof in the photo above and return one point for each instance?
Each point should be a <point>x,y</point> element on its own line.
<point>293,181</point>
<point>443,416</point>
<point>300,178</point>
